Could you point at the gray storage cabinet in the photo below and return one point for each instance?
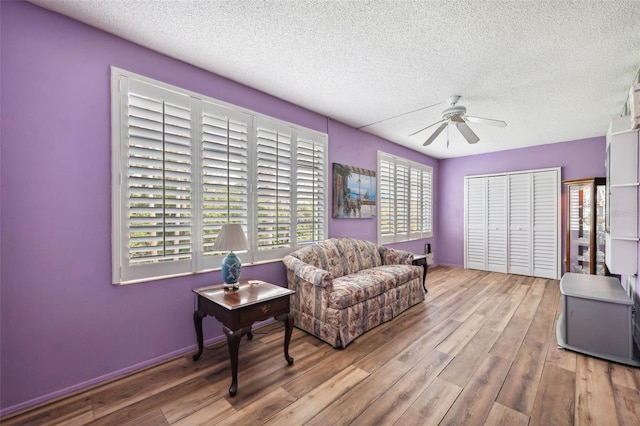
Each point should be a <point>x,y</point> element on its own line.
<point>597,318</point>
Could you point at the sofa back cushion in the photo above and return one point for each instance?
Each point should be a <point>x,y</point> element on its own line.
<point>341,256</point>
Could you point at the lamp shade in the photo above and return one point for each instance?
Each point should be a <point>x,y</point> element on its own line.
<point>231,238</point>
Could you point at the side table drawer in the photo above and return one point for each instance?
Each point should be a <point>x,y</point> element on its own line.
<point>264,310</point>
<point>419,261</point>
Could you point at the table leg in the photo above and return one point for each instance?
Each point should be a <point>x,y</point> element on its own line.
<point>197,321</point>
<point>233,342</point>
<point>424,277</point>
<point>288,329</point>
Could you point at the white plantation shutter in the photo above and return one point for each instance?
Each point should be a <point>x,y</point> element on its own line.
<point>224,169</point>
<point>183,165</point>
<point>273,191</point>
<point>386,200</point>
<point>310,183</point>
<point>420,203</point>
<point>405,197</point>
<point>415,204</point>
<point>156,191</point>
<point>402,200</point>
<point>427,203</point>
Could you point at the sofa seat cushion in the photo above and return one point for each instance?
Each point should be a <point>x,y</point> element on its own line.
<point>352,289</point>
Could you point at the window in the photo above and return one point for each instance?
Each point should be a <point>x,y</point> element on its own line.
<point>405,196</point>
<point>183,165</point>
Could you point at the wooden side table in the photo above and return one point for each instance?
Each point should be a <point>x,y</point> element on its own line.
<point>421,260</point>
<point>237,310</point>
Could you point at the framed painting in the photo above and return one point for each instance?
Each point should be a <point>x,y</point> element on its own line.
<point>354,192</point>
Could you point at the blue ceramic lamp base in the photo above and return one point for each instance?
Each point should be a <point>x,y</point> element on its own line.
<point>231,267</point>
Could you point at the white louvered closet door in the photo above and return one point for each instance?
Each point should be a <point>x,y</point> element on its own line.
<point>497,223</point>
<point>512,223</point>
<point>476,223</point>
<point>545,224</point>
<point>520,224</point>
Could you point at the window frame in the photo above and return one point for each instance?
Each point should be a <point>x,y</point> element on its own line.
<point>396,222</point>
<point>123,271</point>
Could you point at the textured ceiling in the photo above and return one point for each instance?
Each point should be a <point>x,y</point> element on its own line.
<point>553,70</point>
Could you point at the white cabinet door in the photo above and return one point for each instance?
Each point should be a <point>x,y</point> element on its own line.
<point>476,223</point>
<point>520,224</point>
<point>497,223</point>
<point>623,184</point>
<point>623,151</point>
<point>545,224</point>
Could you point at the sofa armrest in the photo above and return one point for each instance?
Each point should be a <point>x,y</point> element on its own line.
<point>309,273</point>
<point>391,256</point>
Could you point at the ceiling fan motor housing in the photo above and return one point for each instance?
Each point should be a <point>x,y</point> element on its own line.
<point>453,111</point>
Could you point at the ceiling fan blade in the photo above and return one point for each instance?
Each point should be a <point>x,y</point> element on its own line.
<point>457,119</point>
<point>489,121</point>
<point>430,125</point>
<point>435,134</point>
<point>467,133</point>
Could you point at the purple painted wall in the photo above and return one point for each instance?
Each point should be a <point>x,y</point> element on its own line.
<point>353,147</point>
<point>578,159</point>
<point>64,326</point>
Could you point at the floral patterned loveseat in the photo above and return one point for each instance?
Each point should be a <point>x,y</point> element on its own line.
<point>345,287</point>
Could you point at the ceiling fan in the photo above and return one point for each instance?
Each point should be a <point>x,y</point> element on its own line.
<point>456,115</point>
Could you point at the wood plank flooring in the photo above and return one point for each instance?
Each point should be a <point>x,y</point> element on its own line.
<point>481,350</point>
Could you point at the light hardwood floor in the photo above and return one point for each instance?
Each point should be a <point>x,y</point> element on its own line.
<point>480,350</point>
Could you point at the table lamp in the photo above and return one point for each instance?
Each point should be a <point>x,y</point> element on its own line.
<point>231,238</point>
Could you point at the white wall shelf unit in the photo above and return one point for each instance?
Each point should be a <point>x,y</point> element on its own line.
<point>622,180</point>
